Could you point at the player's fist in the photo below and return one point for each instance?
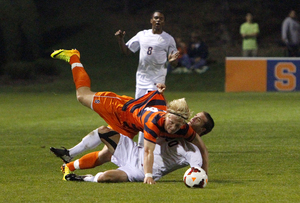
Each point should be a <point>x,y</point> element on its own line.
<point>149,180</point>
<point>173,56</point>
<point>120,34</point>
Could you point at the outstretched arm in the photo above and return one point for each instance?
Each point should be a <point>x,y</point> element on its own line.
<point>148,161</point>
<point>200,144</point>
<point>120,37</point>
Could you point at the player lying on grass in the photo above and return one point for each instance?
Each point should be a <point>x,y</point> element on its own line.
<point>169,155</point>
<point>202,123</point>
<point>128,116</point>
<point>91,160</point>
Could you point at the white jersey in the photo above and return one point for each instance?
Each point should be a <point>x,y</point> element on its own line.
<point>168,156</point>
<point>154,51</point>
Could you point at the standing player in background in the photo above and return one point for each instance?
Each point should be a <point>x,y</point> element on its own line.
<point>156,48</point>
<point>249,31</point>
<point>291,34</point>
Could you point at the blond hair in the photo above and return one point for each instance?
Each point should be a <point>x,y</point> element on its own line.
<point>179,108</point>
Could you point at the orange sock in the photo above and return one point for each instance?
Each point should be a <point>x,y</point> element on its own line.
<point>80,77</point>
<point>74,59</point>
<point>85,162</point>
<point>71,166</point>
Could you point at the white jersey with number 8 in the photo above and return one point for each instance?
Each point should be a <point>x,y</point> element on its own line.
<point>154,51</point>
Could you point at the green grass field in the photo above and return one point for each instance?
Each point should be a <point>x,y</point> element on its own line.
<point>254,150</point>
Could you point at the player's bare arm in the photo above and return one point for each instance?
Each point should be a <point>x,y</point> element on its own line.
<point>148,161</point>
<point>120,37</point>
<point>172,58</point>
<point>120,34</point>
<point>200,144</point>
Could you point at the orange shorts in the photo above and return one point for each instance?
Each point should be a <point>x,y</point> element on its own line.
<point>109,106</point>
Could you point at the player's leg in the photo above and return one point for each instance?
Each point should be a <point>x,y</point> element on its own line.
<point>254,52</point>
<point>125,157</point>
<point>109,137</point>
<point>90,141</point>
<point>81,79</point>
<point>110,176</point>
<point>90,160</point>
<point>141,139</point>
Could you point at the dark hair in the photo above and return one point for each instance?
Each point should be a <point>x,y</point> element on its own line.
<point>159,11</point>
<point>209,125</point>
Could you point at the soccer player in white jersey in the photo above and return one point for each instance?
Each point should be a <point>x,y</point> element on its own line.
<point>202,123</point>
<point>156,48</point>
<point>169,155</point>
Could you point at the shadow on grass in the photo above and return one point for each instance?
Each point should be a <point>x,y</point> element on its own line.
<point>224,181</point>
<point>221,181</point>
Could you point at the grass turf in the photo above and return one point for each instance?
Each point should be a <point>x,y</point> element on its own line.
<point>254,150</point>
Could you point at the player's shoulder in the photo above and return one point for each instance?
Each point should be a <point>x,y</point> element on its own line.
<point>144,32</point>
<point>167,37</point>
<point>244,24</point>
<point>165,34</point>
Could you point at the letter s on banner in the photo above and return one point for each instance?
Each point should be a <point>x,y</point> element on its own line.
<point>284,72</point>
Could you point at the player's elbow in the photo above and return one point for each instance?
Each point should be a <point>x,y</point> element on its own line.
<point>127,52</point>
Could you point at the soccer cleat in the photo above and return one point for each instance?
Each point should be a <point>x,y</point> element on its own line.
<point>74,177</point>
<point>62,153</point>
<point>66,171</point>
<point>65,55</point>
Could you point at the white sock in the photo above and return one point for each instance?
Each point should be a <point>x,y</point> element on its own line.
<point>97,176</point>
<point>76,164</point>
<point>76,65</point>
<point>141,139</point>
<point>90,141</point>
<point>89,178</point>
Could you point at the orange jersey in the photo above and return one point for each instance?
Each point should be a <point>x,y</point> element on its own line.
<point>109,106</point>
<point>147,114</point>
<point>128,116</point>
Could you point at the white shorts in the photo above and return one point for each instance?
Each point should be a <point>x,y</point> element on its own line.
<point>128,157</point>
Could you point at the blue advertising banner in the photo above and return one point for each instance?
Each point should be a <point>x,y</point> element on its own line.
<point>283,75</point>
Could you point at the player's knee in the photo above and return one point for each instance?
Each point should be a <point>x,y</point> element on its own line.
<point>80,98</point>
<point>104,129</point>
<point>106,177</point>
<point>104,156</point>
<point>84,98</point>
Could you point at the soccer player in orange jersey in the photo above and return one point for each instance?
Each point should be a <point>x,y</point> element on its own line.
<point>129,116</point>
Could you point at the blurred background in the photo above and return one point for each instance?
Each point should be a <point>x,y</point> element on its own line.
<point>31,30</point>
